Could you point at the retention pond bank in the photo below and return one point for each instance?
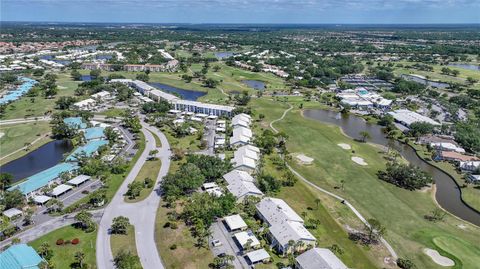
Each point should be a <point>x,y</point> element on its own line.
<point>448,193</point>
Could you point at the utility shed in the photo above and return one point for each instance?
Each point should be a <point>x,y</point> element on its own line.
<point>260,255</point>
<point>235,222</point>
<point>12,213</point>
<point>319,258</point>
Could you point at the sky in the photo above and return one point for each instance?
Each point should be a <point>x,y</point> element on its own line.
<point>244,11</point>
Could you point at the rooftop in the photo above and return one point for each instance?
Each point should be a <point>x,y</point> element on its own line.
<point>258,255</point>
<point>20,256</point>
<point>276,211</point>
<point>94,133</point>
<point>75,122</point>
<point>244,237</point>
<point>319,258</point>
<point>235,222</point>
<point>41,179</point>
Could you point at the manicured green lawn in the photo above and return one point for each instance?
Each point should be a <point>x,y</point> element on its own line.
<point>149,170</point>
<point>63,255</point>
<point>113,112</point>
<point>401,211</point>
<point>125,242</point>
<point>186,255</point>
<point>16,136</point>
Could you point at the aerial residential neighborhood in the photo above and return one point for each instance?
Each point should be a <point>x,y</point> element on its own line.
<point>239,134</point>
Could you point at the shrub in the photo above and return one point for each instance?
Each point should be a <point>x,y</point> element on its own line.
<point>173,247</point>
<point>60,242</point>
<point>405,263</point>
<point>173,225</point>
<point>67,242</point>
<point>75,241</point>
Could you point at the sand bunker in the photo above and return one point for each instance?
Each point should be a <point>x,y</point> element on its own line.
<point>359,161</point>
<point>1,134</point>
<point>437,258</point>
<point>304,159</point>
<point>344,146</point>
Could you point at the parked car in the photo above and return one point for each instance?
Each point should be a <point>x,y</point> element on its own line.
<point>216,243</point>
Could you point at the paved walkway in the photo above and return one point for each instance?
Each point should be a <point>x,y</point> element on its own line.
<point>141,214</point>
<point>354,210</point>
<point>25,120</point>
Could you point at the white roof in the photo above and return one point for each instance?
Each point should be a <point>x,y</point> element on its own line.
<point>290,230</point>
<point>201,115</point>
<point>40,199</point>
<point>60,189</point>
<point>217,192</point>
<point>239,161</point>
<point>246,152</point>
<point>243,237</point>
<point>319,258</point>
<point>244,188</point>
<point>276,211</point>
<point>85,102</point>
<point>100,94</point>
<point>258,255</point>
<point>235,222</point>
<point>12,212</point>
<point>237,175</point>
<point>251,148</point>
<point>196,119</point>
<point>243,131</point>
<point>447,146</point>
<point>209,185</point>
<point>79,179</point>
<point>408,117</point>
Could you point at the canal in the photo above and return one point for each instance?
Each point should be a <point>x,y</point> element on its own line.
<point>448,193</point>
<point>37,160</point>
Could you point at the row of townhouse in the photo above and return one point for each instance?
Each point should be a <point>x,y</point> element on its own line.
<point>178,104</point>
<point>169,66</point>
<point>242,134</point>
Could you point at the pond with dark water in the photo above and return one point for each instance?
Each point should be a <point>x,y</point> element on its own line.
<point>184,94</point>
<point>256,84</point>
<point>448,193</point>
<point>467,66</point>
<point>37,160</point>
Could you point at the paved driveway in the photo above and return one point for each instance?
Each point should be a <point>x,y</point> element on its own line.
<point>220,232</point>
<point>141,214</point>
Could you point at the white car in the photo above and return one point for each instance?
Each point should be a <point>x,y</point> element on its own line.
<point>216,243</point>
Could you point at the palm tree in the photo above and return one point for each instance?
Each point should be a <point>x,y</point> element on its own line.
<point>79,258</point>
<point>317,202</point>
<point>365,135</point>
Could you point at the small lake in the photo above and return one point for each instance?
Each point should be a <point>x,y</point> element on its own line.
<point>184,94</point>
<point>86,78</point>
<point>47,57</point>
<point>448,193</point>
<point>467,66</point>
<point>256,84</point>
<point>224,54</point>
<point>64,62</point>
<point>440,85</point>
<point>37,160</point>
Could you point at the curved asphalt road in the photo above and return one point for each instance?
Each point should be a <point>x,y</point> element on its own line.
<point>141,214</point>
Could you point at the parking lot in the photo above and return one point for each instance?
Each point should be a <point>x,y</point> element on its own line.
<point>228,245</point>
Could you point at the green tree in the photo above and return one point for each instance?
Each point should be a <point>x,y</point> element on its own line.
<point>5,180</point>
<point>126,260</point>
<point>84,218</point>
<point>134,189</point>
<point>79,258</point>
<point>364,136</point>
<point>12,199</point>
<point>375,229</point>
<point>120,225</point>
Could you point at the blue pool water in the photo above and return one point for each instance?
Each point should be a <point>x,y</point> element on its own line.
<point>362,92</point>
<point>184,94</point>
<point>224,54</point>
<point>13,95</point>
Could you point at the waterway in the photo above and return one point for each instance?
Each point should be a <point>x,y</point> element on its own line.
<point>440,85</point>
<point>37,160</point>
<point>184,94</point>
<point>467,66</point>
<point>256,84</point>
<point>448,193</point>
<point>224,54</point>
